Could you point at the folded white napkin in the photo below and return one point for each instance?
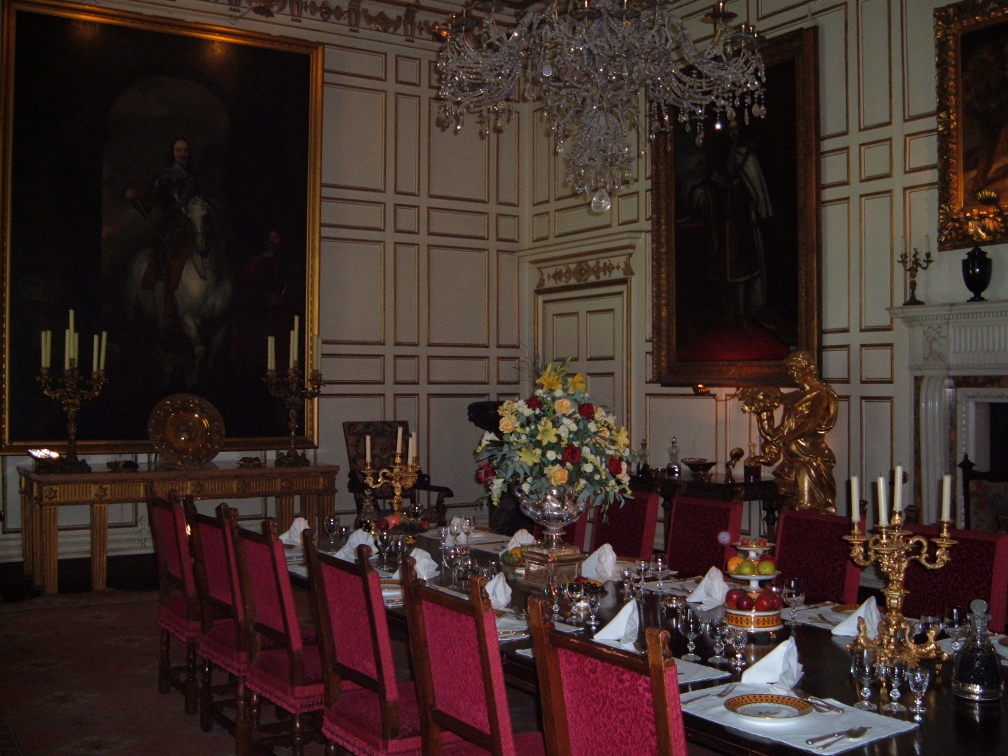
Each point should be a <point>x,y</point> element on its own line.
<point>711,590</point>
<point>499,592</point>
<point>521,538</point>
<point>600,564</point>
<point>425,566</point>
<point>622,627</point>
<point>869,611</point>
<point>780,667</point>
<point>292,536</point>
<point>349,550</point>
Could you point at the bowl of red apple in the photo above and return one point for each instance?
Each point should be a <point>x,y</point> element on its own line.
<point>755,609</point>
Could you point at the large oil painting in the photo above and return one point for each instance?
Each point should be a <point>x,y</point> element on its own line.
<point>735,234</point>
<point>162,181</point>
<point>972,67</point>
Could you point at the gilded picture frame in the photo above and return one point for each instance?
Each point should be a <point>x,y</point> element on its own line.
<point>971,59</point>
<point>162,180</point>
<point>735,292</point>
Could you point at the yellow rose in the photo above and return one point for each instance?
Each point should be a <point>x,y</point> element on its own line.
<point>577,382</point>
<point>557,475</point>
<point>507,424</point>
<point>549,380</point>
<point>563,406</point>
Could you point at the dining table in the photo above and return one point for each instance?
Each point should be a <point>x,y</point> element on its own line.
<point>949,725</point>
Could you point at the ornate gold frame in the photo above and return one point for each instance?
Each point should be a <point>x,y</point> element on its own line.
<point>21,355</point>
<point>800,50</point>
<point>963,221</point>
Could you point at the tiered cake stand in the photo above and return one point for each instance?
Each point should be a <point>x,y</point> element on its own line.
<point>752,620</point>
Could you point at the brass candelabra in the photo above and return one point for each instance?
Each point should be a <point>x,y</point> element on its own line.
<point>913,264</point>
<point>400,476</point>
<point>892,549</point>
<point>293,390</point>
<point>71,389</point>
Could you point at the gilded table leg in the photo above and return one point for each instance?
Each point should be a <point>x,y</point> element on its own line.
<point>99,545</point>
<point>49,547</point>
<point>29,539</point>
<point>285,511</point>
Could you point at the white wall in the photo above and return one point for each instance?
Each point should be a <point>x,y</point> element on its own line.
<point>430,241</point>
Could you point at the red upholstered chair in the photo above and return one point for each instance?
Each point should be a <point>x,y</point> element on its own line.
<point>573,534</point>
<point>629,528</point>
<point>223,642</point>
<point>367,710</point>
<point>700,532</point>
<point>810,545</point>
<point>597,699</point>
<point>283,669</point>
<point>178,603</point>
<point>459,673</point>
<point>977,568</point>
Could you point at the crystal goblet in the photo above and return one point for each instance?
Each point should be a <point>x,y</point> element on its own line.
<point>863,671</point>
<point>894,674</point>
<point>793,595</point>
<point>690,626</point>
<point>918,679</point>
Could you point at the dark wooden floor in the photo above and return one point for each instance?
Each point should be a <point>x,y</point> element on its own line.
<point>133,572</point>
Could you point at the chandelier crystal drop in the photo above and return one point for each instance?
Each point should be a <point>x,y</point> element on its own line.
<point>589,62</point>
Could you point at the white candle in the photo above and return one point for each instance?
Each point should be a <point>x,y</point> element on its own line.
<point>946,508</point>
<point>71,321</point>
<point>76,347</point>
<point>883,509</point>
<point>42,351</point>
<point>271,354</point>
<point>897,497</point>
<point>855,503</point>
<point>316,352</point>
<point>367,450</point>
<point>47,349</point>
<point>66,349</point>
<point>398,440</point>
<point>292,349</point>
<point>104,344</point>
<point>411,455</point>
<point>295,333</point>
<point>94,353</point>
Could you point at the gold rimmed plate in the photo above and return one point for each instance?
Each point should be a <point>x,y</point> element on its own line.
<point>186,430</point>
<point>768,707</point>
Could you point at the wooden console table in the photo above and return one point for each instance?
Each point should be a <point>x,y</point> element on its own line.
<point>43,493</point>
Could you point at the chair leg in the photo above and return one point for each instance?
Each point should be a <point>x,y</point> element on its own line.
<point>246,727</point>
<point>297,736</point>
<point>164,664</point>
<point>191,687</point>
<point>206,698</point>
<point>331,749</point>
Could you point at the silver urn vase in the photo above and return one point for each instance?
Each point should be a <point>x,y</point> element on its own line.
<point>554,509</point>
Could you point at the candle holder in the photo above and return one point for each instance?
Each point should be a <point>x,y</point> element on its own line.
<point>71,389</point>
<point>913,264</point>
<point>293,390</point>
<point>400,476</point>
<point>892,549</point>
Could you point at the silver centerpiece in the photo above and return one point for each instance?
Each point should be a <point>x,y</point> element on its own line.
<point>554,508</point>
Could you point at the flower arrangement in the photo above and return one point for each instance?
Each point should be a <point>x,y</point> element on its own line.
<point>556,437</point>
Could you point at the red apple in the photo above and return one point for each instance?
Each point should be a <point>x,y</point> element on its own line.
<point>745,603</point>
<point>732,597</point>
<point>766,601</point>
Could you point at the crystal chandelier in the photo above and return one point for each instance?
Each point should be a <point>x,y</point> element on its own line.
<point>589,61</point>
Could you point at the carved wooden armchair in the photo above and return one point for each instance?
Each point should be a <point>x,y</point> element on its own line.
<point>383,440</point>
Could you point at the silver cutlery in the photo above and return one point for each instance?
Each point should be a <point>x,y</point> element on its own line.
<point>511,633</point>
<point>722,694</point>
<point>853,732</point>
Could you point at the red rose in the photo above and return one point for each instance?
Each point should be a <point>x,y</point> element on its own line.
<point>615,466</point>
<point>587,411</point>
<point>571,454</point>
<point>533,402</point>
<point>484,473</point>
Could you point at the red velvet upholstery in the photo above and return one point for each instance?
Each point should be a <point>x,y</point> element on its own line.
<point>629,528</point>
<point>459,673</point>
<point>810,546</point>
<point>977,568</point>
<point>289,674</point>
<point>573,534</point>
<point>178,604</point>
<point>381,716</point>
<point>601,700</point>
<point>700,532</point>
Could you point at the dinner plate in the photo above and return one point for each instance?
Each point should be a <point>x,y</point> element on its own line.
<point>843,608</point>
<point>768,707</point>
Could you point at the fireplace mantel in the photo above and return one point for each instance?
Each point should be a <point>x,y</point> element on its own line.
<point>947,342</point>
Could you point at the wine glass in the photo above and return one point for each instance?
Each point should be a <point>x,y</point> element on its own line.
<point>793,595</point>
<point>737,639</point>
<point>553,591</point>
<point>658,570</point>
<point>329,523</point>
<point>918,680</point>
<point>594,595</point>
<point>641,569</point>
<point>443,535</point>
<point>342,534</point>
<point>894,674</point>
<point>575,593</point>
<point>454,530</point>
<point>451,557</point>
<point>690,626</point>
<point>716,628</point>
<point>863,671</point>
<point>466,526</point>
<point>382,539</point>
<point>628,582</point>
<point>674,605</point>
<point>956,627</point>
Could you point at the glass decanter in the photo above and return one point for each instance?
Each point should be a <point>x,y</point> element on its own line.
<point>976,675</point>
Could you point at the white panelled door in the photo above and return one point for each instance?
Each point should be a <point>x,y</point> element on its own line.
<point>589,326</point>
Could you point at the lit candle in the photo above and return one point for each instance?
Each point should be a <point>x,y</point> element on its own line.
<point>271,354</point>
<point>71,321</point>
<point>104,344</point>
<point>398,440</point>
<point>367,450</point>
<point>883,509</point>
<point>897,497</point>
<point>855,503</point>
<point>94,353</point>
<point>316,352</point>
<point>946,509</point>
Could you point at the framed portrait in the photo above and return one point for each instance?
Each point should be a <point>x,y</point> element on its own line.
<point>972,68</point>
<point>161,180</point>
<point>735,234</point>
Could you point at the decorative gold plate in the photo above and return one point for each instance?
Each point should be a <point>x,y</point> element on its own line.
<point>185,430</point>
<point>768,706</point>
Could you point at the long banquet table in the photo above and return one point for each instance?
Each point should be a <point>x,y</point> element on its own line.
<point>950,726</point>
